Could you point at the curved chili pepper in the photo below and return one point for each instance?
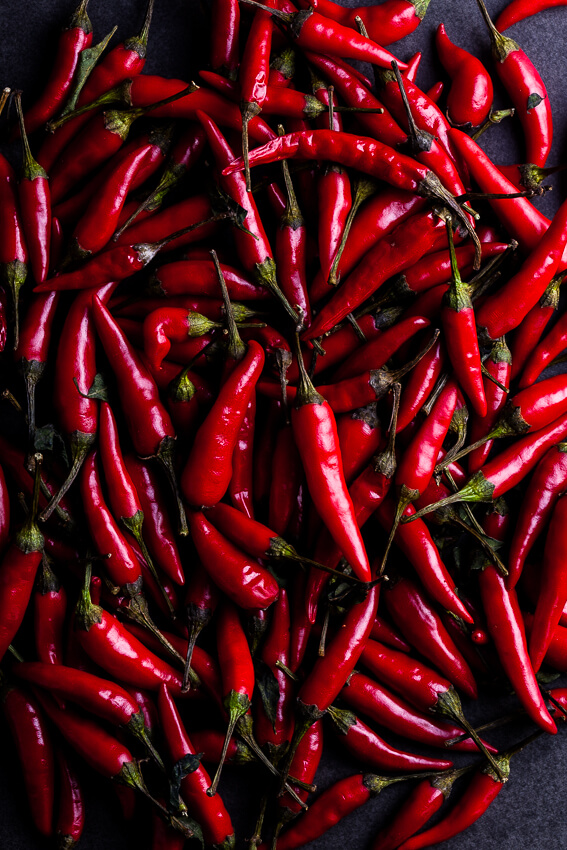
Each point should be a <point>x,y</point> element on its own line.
<point>50,608</point>
<point>243,580</point>
<point>471,93</point>
<point>544,353</point>
<point>33,742</point>
<point>425,628</point>
<point>378,351</point>
<point>548,482</point>
<point>77,35</point>
<point>388,22</point>
<point>253,75</point>
<point>4,513</point>
<point>385,633</point>
<point>167,325</point>
<point>519,10</point>
<point>71,813</point>
<point>198,277</point>
<point>213,816</point>
<point>499,365</point>
<point>526,90</point>
<point>529,332</point>
<point>368,747</point>
<point>291,253</point>
<point>35,202</point>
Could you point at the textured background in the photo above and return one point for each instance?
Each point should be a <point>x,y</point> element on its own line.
<point>530,812</point>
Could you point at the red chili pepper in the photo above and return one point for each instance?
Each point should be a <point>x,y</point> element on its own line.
<point>168,325</point>
<point>544,353</point>
<point>368,747</point>
<point>201,600</point>
<point>519,10</point>
<point>303,767</point>
<point>213,816</point>
<point>243,580</point>
<point>198,277</point>
<point>35,201</point>
<point>528,334</point>
<point>378,351</point>
<point>31,736</point>
<point>548,482</point>
<point>291,253</point>
<point>389,22</point>
<point>50,608</point>
<point>360,437</point>
<point>286,480</point>
<point>499,365</point>
<point>385,633</point>
<point>253,75</point>
<point>471,93</point>
<point>71,813</point>
<point>76,36</point>
<point>424,628</point>
<point>526,90</point>
<point>224,55</point>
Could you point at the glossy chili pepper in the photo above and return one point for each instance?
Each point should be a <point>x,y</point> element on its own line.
<point>334,195</point>
<point>303,767</point>
<point>35,202</point>
<point>71,812</point>
<point>13,250</point>
<point>224,54</point>
<point>50,608</point>
<point>425,799</point>
<point>124,61</point>
<point>377,703</point>
<point>285,482</point>
<point>207,473</point>
<point>31,736</point>
<point>528,334</point>
<point>471,93</point>
<point>248,534</point>
<point>526,90</point>
<point>211,812</point>
<point>253,75</point>
<point>198,277</point>
<point>378,351</point>
<point>387,22</point>
<point>413,67</point>
<point>425,628</point>
<point>210,742</point>
<point>385,633</point>
<point>242,578</point>
<point>499,365</point>
<point>519,10</point>
<point>158,530</point>
<point>291,253</point>
<point>360,437</point>
<point>167,325</point>
<point>368,747</point>
<point>544,353</point>
<point>18,569</point>
<point>548,482</point>
<point>201,600</point>
<point>76,36</point>
<point>4,513</point>
<point>556,655</point>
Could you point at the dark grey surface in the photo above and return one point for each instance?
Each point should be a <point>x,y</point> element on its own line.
<point>530,812</point>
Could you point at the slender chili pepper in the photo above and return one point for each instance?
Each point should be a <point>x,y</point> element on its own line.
<point>224,55</point>
<point>385,633</point>
<point>201,600</point>
<point>368,747</point>
<point>379,351</point>
<point>13,251</point>
<point>388,22</point>
<point>304,767</point>
<point>285,482</point>
<point>4,513</point>
<point>213,816</point>
<point>31,736</point>
<point>242,578</point>
<point>76,36</point>
<point>71,812</point>
<point>528,334</point>
<point>526,90</point>
<point>291,253</point>
<point>413,67</point>
<point>470,97</point>
<point>425,628</point>
<point>184,214</point>
<point>499,365</point>
<point>198,277</point>
<point>124,61</point>
<point>376,702</point>
<point>360,437</point>
<point>170,324</point>
<point>334,196</point>
<point>556,655</point>
<point>253,75</point>
<point>519,10</point>
<point>35,202</point>
<point>548,482</point>
<point>425,799</point>
<point>506,629</point>
<point>544,353</point>
<point>50,608</point>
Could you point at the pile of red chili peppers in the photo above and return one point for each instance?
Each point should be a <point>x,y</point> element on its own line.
<point>266,335</point>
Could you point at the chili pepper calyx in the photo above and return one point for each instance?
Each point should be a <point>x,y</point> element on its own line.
<point>342,719</point>
<point>503,769</point>
<point>420,7</point>
<point>80,19</point>
<point>280,549</point>
<point>137,727</point>
<point>14,276</point>
<point>139,43</point>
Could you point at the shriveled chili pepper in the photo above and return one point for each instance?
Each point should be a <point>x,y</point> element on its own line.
<point>471,93</point>
<point>50,608</point>
<point>425,628</point>
<point>519,10</point>
<point>31,736</point>
<point>388,22</point>
<point>35,201</point>
<point>526,90</point>
<point>242,578</point>
<point>364,744</point>
<point>71,812</point>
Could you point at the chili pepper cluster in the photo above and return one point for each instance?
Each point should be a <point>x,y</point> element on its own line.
<point>234,520</point>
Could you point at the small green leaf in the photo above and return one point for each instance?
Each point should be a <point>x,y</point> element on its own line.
<point>534,100</point>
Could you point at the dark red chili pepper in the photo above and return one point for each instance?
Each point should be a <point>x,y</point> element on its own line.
<point>556,655</point>
<point>368,747</point>
<point>242,578</point>
<point>4,513</point>
<point>50,608</point>
<point>201,600</point>
<point>224,55</point>
<point>291,253</point>
<point>31,736</point>
<point>499,365</point>
<point>420,383</point>
<point>388,22</point>
<point>528,334</point>
<point>77,35</point>
<point>334,195</point>
<point>213,816</point>
<point>35,202</point>
<point>471,93</point>
<point>303,767</point>
<point>548,482</point>
<point>360,437</point>
<point>71,812</point>
<point>198,277</point>
<point>506,629</point>
<point>424,628</point>
<point>385,633</point>
<point>167,325</point>
<point>526,90</point>
<point>13,251</point>
<point>285,482</point>
<point>519,10</point>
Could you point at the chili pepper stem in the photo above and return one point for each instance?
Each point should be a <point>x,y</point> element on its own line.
<point>235,347</point>
<point>165,457</point>
<point>481,538</point>
<point>307,716</point>
<point>15,274</point>
<point>477,489</point>
<point>137,727</point>
<point>257,837</point>
<point>431,187</point>
<point>33,372</point>
<point>407,496</point>
<point>492,724</point>
<point>449,705</point>
<point>364,188</point>
<point>134,526</point>
<point>495,117</point>
<point>248,111</point>
<point>199,618</point>
<point>237,705</point>
<point>81,444</point>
